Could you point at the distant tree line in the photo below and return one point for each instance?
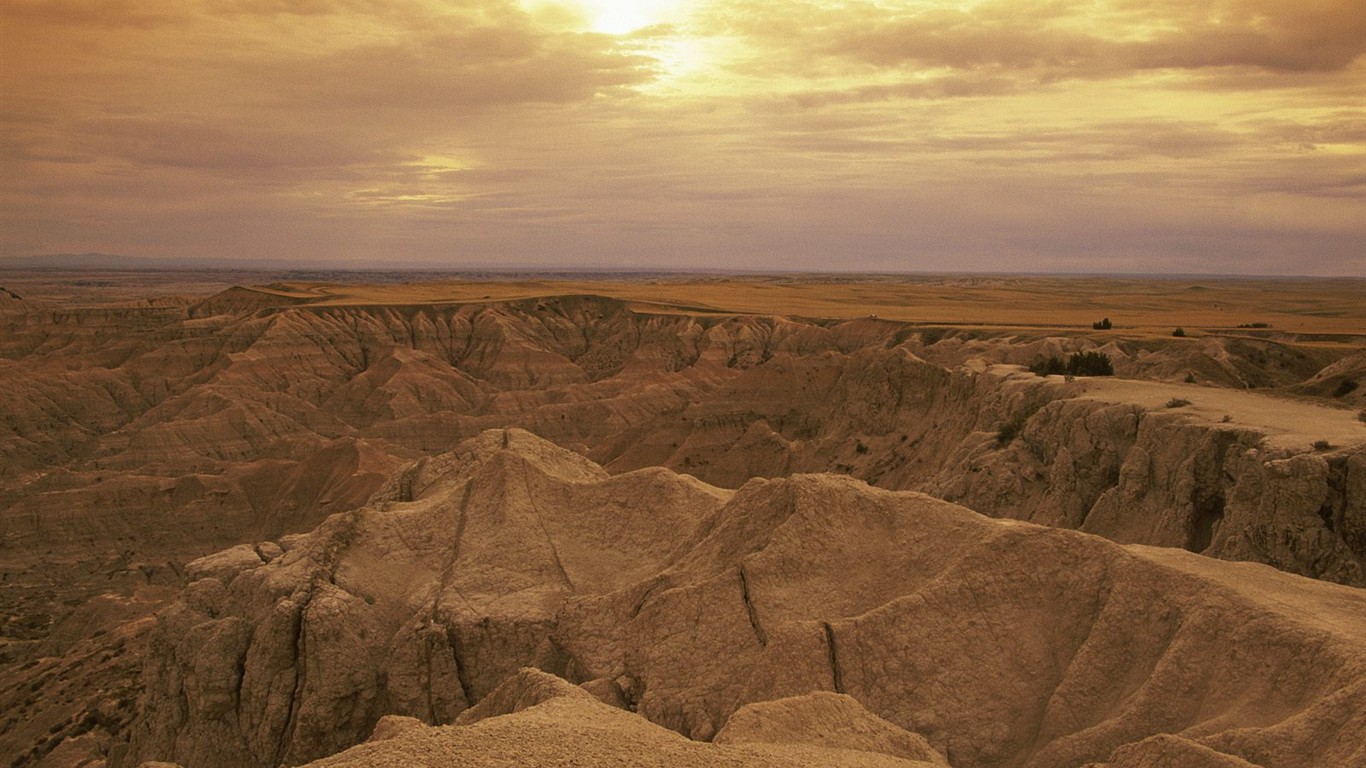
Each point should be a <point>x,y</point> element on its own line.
<point>1077,364</point>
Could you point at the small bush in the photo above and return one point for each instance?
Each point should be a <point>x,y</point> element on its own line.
<point>1079,364</point>
<point>1008,431</point>
<point>1190,378</point>
<point>1361,417</point>
<point>1102,325</point>
<point>1049,366</point>
<point>1179,333</point>
<point>1012,428</point>
<point>1347,387</point>
<point>1255,325</point>
<point>1090,364</point>
<point>1227,418</point>
<point>1322,445</point>
<point>1178,402</point>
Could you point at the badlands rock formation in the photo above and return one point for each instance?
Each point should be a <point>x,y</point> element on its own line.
<point>139,435</point>
<point>553,720</point>
<point>1000,643</point>
<point>254,414</point>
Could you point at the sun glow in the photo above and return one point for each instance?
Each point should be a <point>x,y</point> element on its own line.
<point>657,29</point>
<point>616,17</point>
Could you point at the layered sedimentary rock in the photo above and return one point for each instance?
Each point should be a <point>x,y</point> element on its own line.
<point>134,439</point>
<point>258,415</point>
<point>1000,643</point>
<point>1159,476</point>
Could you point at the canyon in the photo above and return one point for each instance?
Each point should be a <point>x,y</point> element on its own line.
<point>248,523</point>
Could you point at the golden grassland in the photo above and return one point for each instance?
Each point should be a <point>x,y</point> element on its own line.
<point>1301,306</point>
<point>1142,306</point>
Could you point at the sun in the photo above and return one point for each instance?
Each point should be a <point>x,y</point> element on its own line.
<point>616,17</point>
<point>678,53</point>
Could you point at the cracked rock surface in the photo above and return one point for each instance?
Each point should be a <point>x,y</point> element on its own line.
<point>726,615</point>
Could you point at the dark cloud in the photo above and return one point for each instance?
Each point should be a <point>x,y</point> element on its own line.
<point>219,96</point>
<point>453,70</point>
<point>1050,39</point>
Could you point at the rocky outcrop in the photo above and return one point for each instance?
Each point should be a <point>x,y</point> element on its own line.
<point>479,549</point>
<point>566,729</point>
<point>1167,751</point>
<point>527,688</point>
<point>11,301</point>
<point>1001,643</point>
<point>242,300</point>
<point>824,719</point>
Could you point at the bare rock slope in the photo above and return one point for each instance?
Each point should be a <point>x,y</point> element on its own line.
<point>561,725</point>
<point>1001,643</point>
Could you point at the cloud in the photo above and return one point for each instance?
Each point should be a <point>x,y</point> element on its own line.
<point>455,70</point>
<point>1022,134</point>
<point>229,90</point>
<point>1063,38</point>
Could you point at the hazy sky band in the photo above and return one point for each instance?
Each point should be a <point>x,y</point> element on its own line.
<point>1115,135</point>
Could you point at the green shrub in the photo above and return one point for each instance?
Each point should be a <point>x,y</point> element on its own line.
<point>1090,364</point>
<point>1179,332</point>
<point>1079,364</point>
<point>1048,366</point>
<point>1322,445</point>
<point>1102,325</point>
<point>1178,402</point>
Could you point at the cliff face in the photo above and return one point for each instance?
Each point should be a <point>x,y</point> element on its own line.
<point>1001,643</point>
<point>1157,476</point>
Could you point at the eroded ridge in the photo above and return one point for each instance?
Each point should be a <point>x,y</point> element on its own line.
<point>1001,643</point>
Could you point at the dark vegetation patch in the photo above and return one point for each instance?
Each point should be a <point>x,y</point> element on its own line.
<point>1078,364</point>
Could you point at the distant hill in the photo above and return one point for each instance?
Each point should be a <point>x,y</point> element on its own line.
<point>118,263</point>
<point>86,261</point>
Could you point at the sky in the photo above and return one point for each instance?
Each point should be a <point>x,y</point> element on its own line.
<point>1129,136</point>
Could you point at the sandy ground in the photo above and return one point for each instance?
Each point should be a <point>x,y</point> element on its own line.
<point>1287,423</point>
